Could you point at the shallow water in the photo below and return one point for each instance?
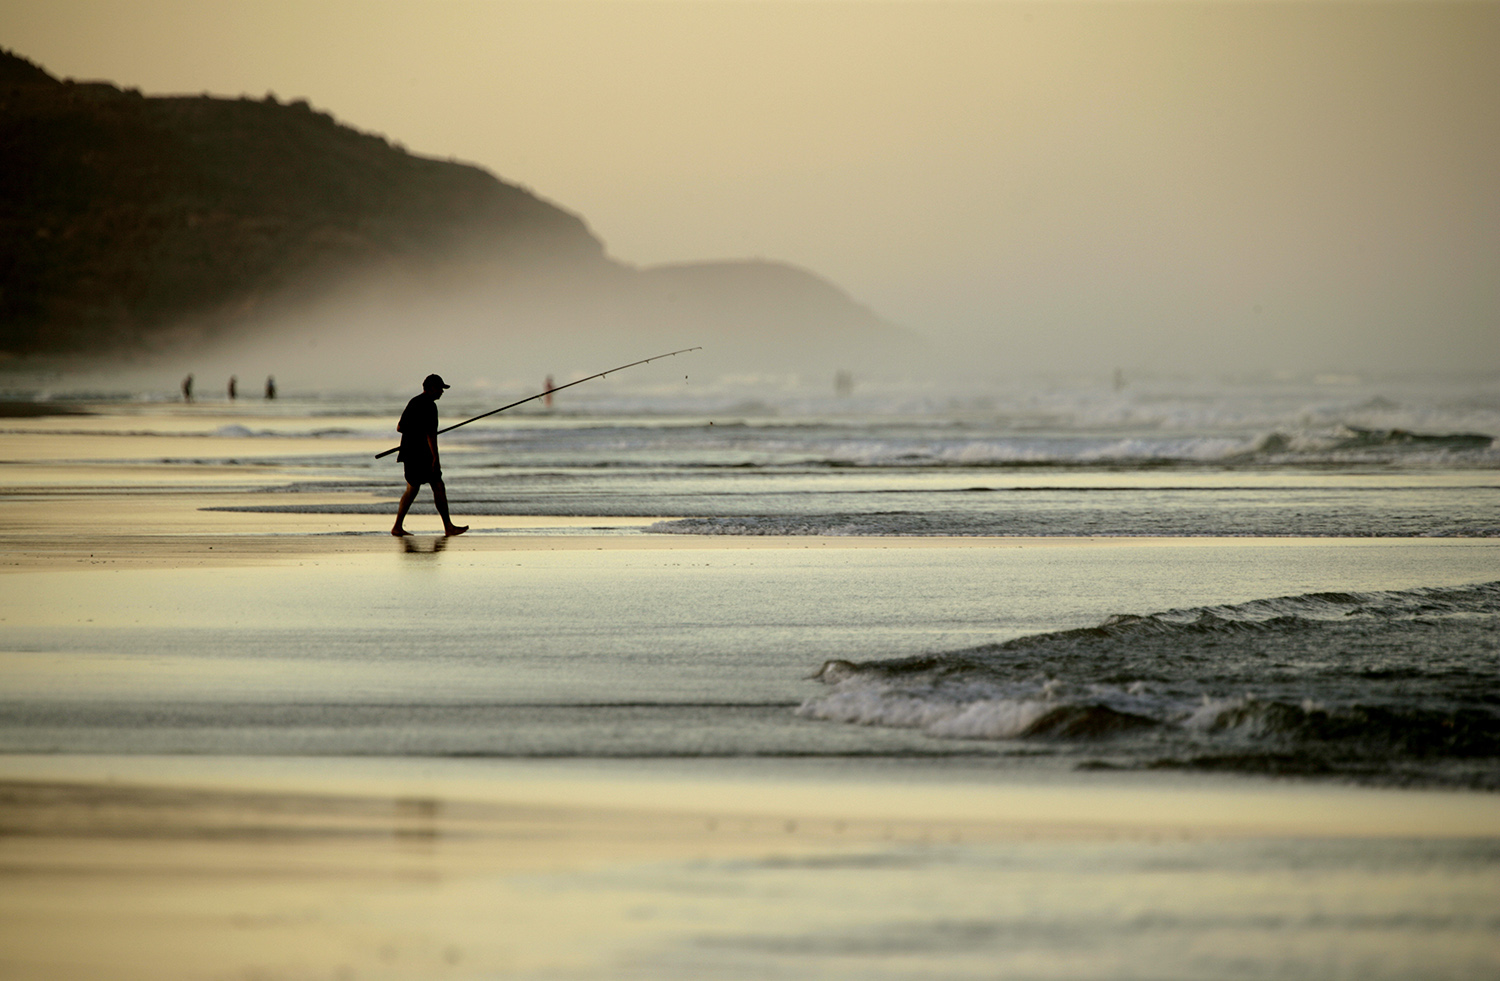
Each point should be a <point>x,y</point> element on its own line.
<point>1160,457</point>
<point>710,652</point>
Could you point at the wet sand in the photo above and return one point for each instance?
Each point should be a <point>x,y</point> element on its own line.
<point>207,868</point>
<point>260,867</point>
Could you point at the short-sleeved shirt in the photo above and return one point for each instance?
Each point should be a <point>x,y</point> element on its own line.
<point>418,421</point>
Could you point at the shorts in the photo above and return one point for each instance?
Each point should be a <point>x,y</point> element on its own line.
<point>419,472</point>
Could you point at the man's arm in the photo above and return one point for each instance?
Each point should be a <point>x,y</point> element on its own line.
<point>432,445</point>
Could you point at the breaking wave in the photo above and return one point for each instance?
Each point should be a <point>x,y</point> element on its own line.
<point>1349,444</point>
<point>1384,686</point>
<point>957,447</point>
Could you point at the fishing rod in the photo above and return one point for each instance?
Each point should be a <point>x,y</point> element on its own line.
<point>533,398</point>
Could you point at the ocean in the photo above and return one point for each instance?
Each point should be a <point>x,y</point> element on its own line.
<point>1300,579</point>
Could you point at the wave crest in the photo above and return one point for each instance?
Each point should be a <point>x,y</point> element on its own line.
<point>1331,679</point>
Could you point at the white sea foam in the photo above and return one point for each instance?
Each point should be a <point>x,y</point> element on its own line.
<point>761,526</point>
<point>1336,677</point>
<point>998,718</point>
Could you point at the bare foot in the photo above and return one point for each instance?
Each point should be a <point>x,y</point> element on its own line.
<point>456,530</point>
<point>399,532</point>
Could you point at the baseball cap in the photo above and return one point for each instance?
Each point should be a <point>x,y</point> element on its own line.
<point>434,381</point>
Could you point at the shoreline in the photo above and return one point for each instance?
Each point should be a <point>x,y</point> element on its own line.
<point>92,490</point>
<point>215,543</point>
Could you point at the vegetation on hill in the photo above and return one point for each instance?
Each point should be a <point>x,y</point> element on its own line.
<point>122,217</point>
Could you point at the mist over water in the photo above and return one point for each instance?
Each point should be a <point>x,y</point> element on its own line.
<point>359,351</point>
<point>487,321</point>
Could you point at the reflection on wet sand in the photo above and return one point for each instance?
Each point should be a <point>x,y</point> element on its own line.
<point>412,545</point>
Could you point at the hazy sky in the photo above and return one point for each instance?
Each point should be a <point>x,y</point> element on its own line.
<point>1178,185</point>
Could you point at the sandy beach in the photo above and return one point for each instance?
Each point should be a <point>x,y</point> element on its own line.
<point>136,868</point>
<point>197,862</point>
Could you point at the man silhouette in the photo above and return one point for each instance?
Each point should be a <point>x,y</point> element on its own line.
<point>418,428</point>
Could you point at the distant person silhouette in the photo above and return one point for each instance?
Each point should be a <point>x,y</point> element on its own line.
<point>270,386</point>
<point>548,400</point>
<point>187,388</point>
<point>419,451</point>
<point>233,387</point>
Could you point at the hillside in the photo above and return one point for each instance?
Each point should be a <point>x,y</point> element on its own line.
<point>122,216</point>
<point>133,224</point>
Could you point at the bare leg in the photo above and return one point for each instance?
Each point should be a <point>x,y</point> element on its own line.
<point>440,498</point>
<point>406,499</point>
